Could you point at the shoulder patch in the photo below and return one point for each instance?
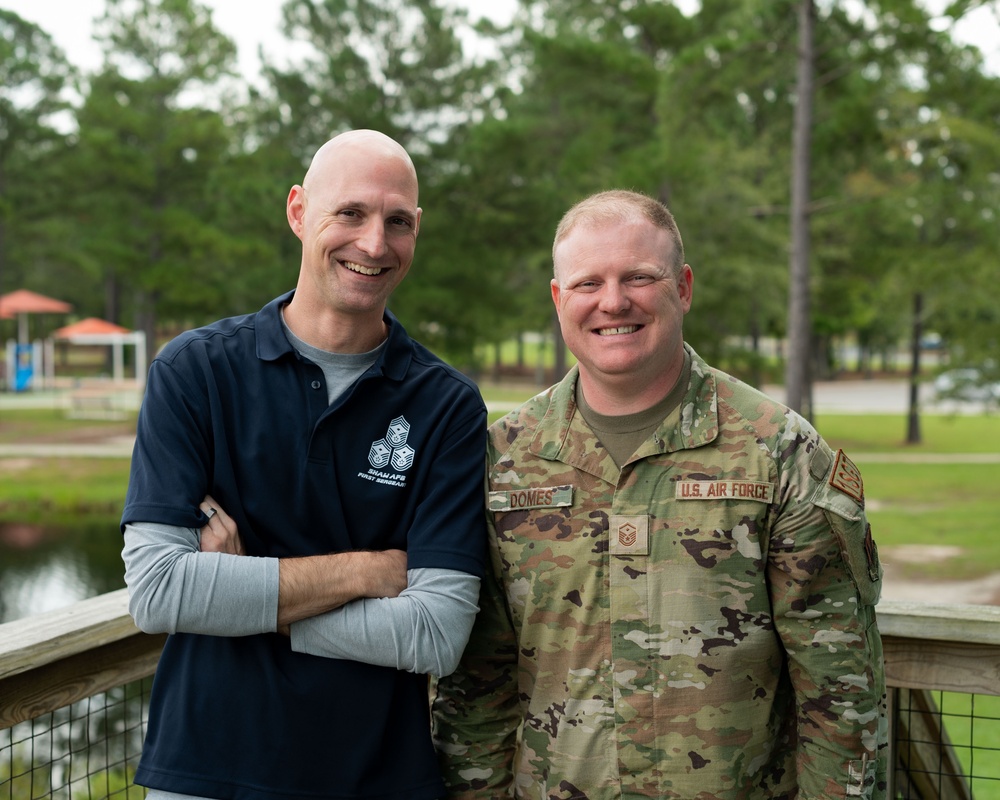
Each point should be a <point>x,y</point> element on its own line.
<point>846,478</point>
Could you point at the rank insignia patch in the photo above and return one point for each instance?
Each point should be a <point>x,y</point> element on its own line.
<point>846,478</point>
<point>629,535</point>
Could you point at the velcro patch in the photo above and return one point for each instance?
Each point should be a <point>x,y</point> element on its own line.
<point>629,535</point>
<point>871,554</point>
<point>540,497</point>
<point>724,490</point>
<point>846,478</point>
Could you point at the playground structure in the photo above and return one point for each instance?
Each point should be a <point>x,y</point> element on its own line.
<point>31,366</point>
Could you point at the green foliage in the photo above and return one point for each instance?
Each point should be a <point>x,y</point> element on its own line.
<point>34,77</point>
<point>162,208</point>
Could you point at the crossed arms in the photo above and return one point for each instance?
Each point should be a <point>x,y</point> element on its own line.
<point>361,605</point>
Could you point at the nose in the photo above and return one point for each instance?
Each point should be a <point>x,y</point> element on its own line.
<point>614,299</point>
<point>371,238</point>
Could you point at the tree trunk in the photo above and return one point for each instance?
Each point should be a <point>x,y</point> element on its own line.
<point>497,362</point>
<point>799,324</point>
<point>756,362</point>
<point>913,419</point>
<point>145,321</point>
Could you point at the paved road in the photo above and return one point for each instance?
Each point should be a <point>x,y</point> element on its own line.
<point>877,396</point>
<point>117,448</point>
<point>842,397</point>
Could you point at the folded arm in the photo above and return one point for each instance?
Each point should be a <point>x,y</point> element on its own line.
<point>424,629</point>
<point>182,580</point>
<point>175,588</point>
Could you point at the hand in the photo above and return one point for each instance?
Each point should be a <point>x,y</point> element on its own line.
<point>220,535</point>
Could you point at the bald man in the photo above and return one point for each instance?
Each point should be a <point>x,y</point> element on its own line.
<point>304,517</point>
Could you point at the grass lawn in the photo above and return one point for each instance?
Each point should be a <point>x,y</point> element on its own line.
<point>886,433</point>
<point>952,505</point>
<point>58,490</point>
<point>53,425</point>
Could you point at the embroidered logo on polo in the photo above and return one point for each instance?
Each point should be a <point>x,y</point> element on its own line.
<point>393,452</point>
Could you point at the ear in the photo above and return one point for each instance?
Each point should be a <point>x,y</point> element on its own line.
<point>685,287</point>
<point>295,209</point>
<point>416,224</point>
<point>554,286</point>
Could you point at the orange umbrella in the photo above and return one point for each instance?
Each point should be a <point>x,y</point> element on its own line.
<point>22,302</point>
<point>91,326</point>
<point>94,331</point>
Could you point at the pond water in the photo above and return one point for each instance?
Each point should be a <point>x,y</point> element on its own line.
<point>44,567</point>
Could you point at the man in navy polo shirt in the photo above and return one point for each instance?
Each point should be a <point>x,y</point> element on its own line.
<point>349,459</point>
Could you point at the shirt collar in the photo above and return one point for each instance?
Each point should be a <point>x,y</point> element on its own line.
<point>272,344</point>
<point>695,422</point>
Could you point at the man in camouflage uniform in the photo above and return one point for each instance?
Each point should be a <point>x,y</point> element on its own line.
<point>683,578</point>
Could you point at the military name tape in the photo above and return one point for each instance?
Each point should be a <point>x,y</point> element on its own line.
<point>724,490</point>
<point>539,497</point>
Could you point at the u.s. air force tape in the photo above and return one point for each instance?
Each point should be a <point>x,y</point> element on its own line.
<point>724,490</point>
<point>538,497</point>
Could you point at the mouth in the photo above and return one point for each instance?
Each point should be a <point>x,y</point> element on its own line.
<point>361,269</point>
<point>617,331</point>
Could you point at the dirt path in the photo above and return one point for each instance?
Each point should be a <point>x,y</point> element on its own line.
<point>979,591</point>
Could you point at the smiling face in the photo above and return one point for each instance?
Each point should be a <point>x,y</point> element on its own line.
<point>357,216</point>
<point>621,305</point>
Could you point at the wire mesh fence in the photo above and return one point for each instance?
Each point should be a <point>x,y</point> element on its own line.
<point>947,745</point>
<point>85,751</point>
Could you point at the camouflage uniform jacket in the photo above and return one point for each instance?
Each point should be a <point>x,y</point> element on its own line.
<point>697,624</point>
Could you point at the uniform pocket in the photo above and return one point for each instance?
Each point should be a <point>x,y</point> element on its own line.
<point>860,553</point>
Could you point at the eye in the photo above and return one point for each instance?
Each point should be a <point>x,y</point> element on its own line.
<point>400,222</point>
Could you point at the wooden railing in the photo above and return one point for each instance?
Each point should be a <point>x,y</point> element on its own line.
<point>54,659</point>
<point>50,660</point>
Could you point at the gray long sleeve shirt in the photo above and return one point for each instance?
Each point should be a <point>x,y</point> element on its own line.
<point>174,587</point>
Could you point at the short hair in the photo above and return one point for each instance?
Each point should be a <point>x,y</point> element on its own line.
<point>622,206</point>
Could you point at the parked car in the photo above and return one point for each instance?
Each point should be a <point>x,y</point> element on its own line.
<point>966,383</point>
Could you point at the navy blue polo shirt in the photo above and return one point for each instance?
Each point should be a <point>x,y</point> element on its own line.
<point>232,410</point>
